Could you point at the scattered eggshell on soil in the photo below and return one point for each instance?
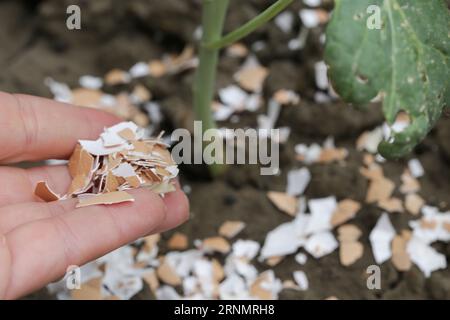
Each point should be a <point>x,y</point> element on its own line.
<point>117,76</point>
<point>301,280</point>
<point>297,181</point>
<point>229,229</point>
<point>284,202</point>
<point>350,252</point>
<point>391,205</point>
<point>345,211</point>
<point>251,76</point>
<point>216,244</point>
<point>178,241</point>
<point>413,203</point>
<point>400,256</point>
<point>380,238</point>
<point>321,244</point>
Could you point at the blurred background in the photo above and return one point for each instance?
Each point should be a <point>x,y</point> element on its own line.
<point>40,56</point>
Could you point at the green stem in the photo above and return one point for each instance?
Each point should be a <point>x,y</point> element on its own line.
<point>250,26</point>
<point>213,17</point>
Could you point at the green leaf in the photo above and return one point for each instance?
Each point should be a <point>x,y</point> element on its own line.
<point>406,60</point>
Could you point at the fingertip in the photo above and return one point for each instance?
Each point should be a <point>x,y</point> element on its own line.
<point>102,117</point>
<point>178,211</point>
<point>98,120</point>
<point>182,209</point>
<point>148,206</point>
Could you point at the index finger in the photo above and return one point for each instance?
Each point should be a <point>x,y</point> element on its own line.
<point>33,128</point>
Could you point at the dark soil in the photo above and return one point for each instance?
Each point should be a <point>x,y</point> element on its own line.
<point>35,44</point>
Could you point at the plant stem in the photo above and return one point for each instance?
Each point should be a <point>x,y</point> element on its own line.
<point>250,26</point>
<point>213,17</point>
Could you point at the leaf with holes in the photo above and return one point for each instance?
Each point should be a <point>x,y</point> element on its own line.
<point>405,57</point>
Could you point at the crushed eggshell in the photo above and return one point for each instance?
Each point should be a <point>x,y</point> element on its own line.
<point>266,286</point>
<point>157,68</point>
<point>350,252</point>
<point>281,241</point>
<point>178,241</point>
<point>172,64</point>
<point>86,97</point>
<point>381,237</point>
<point>379,189</point>
<point>105,198</point>
<point>90,290</point>
<point>151,241</point>
<point>320,154</point>
<point>217,270</point>
<point>415,167</point>
<point>44,192</point>
<point>432,226</point>
<point>245,249</point>
<point>286,97</point>
<point>290,284</point>
<point>121,159</point>
<point>345,211</point>
<point>284,202</point>
<point>409,183</point>
<point>332,154</point>
<point>285,21</point>
<point>273,261</point>
<point>320,244</point>
<point>413,203</point>
<point>297,181</point>
<point>350,249</point>
<point>252,75</point>
<point>301,279</point>
<point>151,279</point>
<point>348,232</point>
<point>237,50</point>
<point>369,140</point>
<point>117,76</point>
<point>446,226</point>
<point>141,94</point>
<point>234,97</point>
<point>229,229</point>
<point>391,205</point>
<point>301,258</point>
<point>312,18</point>
<point>90,82</point>
<point>322,210</point>
<point>425,257</point>
<point>372,172</point>
<point>216,244</point>
<point>167,274</point>
<point>400,257</point>
<point>368,159</point>
<point>428,224</point>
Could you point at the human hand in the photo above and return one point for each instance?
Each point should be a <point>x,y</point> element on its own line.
<point>39,240</point>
